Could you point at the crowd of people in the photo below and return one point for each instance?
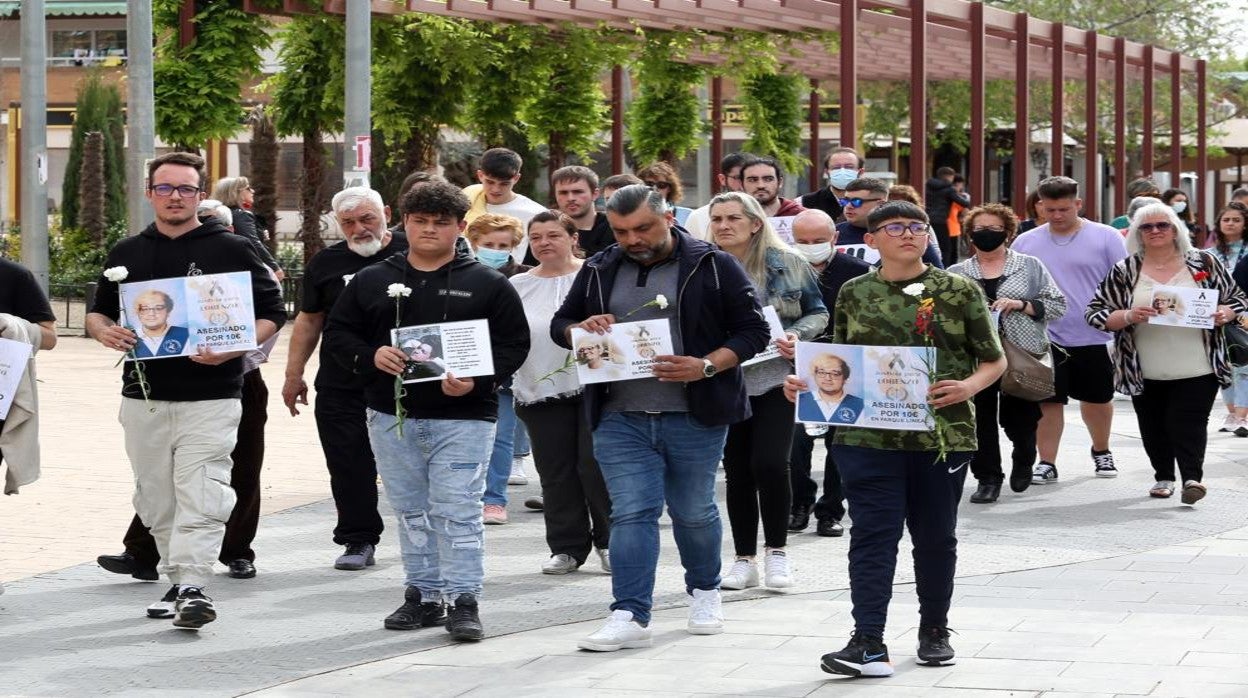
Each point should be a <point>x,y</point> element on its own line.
<point>1040,311</point>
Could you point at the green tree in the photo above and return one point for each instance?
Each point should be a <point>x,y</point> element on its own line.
<point>307,102</point>
<point>773,116</point>
<point>665,120</point>
<point>198,87</point>
<point>98,110</point>
<point>263,174</point>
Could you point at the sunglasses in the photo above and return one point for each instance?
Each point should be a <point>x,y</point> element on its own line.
<point>1161,227</point>
<point>659,185</point>
<point>856,202</point>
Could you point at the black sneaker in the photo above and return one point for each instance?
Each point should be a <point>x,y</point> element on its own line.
<point>934,649</point>
<point>415,613</point>
<point>165,607</point>
<point>463,622</point>
<point>829,528</point>
<point>1104,462</point>
<point>1044,474</point>
<point>863,656</point>
<point>194,610</point>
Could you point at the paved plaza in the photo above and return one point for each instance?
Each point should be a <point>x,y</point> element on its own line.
<point>1085,587</point>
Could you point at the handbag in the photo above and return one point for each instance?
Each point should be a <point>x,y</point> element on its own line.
<point>1236,343</point>
<point>1028,376</point>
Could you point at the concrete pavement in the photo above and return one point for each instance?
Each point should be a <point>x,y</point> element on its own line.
<point>1084,587</point>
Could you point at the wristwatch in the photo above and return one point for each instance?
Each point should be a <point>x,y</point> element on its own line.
<point>708,369</point>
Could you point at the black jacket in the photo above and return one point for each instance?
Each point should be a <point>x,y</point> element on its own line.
<point>839,269</point>
<point>462,289</point>
<point>245,225</point>
<point>715,307</point>
<point>208,249</point>
<point>938,196</point>
<point>825,200</point>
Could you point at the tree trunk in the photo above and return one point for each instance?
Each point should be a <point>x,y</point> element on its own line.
<point>263,175</point>
<point>421,151</point>
<point>92,203</point>
<point>312,194</point>
<point>558,156</point>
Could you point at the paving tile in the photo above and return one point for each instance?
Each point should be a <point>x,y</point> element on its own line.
<point>1025,682</point>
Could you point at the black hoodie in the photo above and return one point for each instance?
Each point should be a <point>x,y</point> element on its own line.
<point>208,249</point>
<point>939,196</point>
<point>462,289</point>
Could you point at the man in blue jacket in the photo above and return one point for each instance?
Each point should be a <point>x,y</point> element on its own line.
<point>661,439</point>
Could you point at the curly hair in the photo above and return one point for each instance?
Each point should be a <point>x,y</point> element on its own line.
<point>487,223</point>
<point>1005,213</point>
<point>904,192</point>
<point>663,172</point>
<point>436,198</point>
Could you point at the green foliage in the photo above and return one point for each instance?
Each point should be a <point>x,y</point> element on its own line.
<point>665,120</point>
<point>198,87</point>
<point>75,258</point>
<point>512,76</point>
<point>1191,28</point>
<point>98,109</point>
<point>312,57</point>
<point>773,117</point>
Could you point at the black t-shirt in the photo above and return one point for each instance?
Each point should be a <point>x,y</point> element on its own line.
<point>323,282</point>
<point>990,287</point>
<point>597,238</point>
<point>20,294</point>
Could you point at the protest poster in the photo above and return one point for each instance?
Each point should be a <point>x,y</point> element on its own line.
<point>14,356</point>
<point>460,348</point>
<point>783,225</point>
<point>776,329</point>
<point>862,251</point>
<point>864,386</point>
<point>174,317</point>
<point>1178,306</point>
<point>627,352</point>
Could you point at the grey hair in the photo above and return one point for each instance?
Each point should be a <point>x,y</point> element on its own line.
<point>1140,202</point>
<point>1158,210</point>
<point>351,198</point>
<point>212,207</point>
<point>627,200</point>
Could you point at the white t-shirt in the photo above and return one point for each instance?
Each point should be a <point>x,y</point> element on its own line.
<point>542,296</point>
<point>699,223</point>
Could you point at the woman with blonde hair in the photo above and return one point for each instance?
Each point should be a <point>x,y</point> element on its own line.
<point>756,453</point>
<point>1171,373</point>
<point>237,195</point>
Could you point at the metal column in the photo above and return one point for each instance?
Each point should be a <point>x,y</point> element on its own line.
<point>813,150</point>
<point>918,93</point>
<point>140,112</point>
<point>1022,127</point>
<point>617,120</point>
<point>1202,145</point>
<point>1176,120</point>
<point>849,74</point>
<point>1091,176</point>
<point>34,130</point>
<point>1146,110</point>
<point>1120,125</point>
<point>976,185</point>
<point>1057,157</point>
<point>717,129</point>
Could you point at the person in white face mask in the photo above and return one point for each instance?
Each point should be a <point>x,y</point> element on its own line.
<point>814,237</point>
<point>840,167</point>
<point>1177,200</point>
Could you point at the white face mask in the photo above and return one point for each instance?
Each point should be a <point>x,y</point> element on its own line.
<point>1179,206</point>
<point>841,177</point>
<point>817,253</point>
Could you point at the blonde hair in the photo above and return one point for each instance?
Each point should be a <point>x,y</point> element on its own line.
<point>755,261</point>
<point>229,191</point>
<point>487,223</point>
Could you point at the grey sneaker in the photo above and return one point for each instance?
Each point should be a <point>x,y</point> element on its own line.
<point>357,557</point>
<point>193,609</point>
<point>1044,474</point>
<point>561,563</point>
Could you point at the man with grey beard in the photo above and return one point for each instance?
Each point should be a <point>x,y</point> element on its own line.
<point>339,409</point>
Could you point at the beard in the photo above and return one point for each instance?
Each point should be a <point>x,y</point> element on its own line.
<point>365,249</point>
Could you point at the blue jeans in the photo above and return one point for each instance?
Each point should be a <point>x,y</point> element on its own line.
<point>888,491</point>
<point>433,478</point>
<point>1237,394</point>
<point>648,459</point>
<point>510,440</point>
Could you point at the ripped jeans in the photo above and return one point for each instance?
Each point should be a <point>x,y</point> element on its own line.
<point>434,477</point>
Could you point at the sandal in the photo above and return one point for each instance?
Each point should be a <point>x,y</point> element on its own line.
<point>1193,492</point>
<point>1162,489</point>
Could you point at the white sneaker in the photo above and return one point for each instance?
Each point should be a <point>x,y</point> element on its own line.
<point>706,612</point>
<point>604,556</point>
<point>777,574</point>
<point>1230,423</point>
<point>559,564</point>
<point>518,476</point>
<point>620,632</point>
<point>167,606</point>
<point>742,575</point>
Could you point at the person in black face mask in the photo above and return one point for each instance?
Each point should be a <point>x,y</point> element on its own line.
<point>1023,298</point>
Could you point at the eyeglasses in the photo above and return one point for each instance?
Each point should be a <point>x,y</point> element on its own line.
<point>659,185</point>
<point>821,373</point>
<point>856,202</point>
<point>149,309</point>
<point>896,230</point>
<point>185,191</point>
<point>1162,227</point>
<point>988,229</point>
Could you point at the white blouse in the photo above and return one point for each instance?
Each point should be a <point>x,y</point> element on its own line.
<point>542,296</point>
<point>1168,353</point>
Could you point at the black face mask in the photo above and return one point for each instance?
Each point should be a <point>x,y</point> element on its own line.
<point>987,240</point>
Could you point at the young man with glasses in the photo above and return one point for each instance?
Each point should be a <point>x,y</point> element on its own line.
<point>762,178</point>
<point>862,196</point>
<point>1078,253</point>
<point>182,424</point>
<point>908,479</point>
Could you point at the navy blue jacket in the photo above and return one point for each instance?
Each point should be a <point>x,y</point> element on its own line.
<point>840,268</point>
<point>715,307</point>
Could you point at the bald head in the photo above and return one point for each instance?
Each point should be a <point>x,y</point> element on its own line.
<point>812,227</point>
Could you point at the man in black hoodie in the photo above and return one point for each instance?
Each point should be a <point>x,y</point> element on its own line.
<point>181,415</point>
<point>938,199</point>
<point>432,456</point>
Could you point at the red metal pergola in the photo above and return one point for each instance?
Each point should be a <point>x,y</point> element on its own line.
<point>913,40</point>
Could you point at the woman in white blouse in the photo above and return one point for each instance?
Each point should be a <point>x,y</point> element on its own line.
<point>548,400</point>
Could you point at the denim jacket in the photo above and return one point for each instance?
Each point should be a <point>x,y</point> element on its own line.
<point>795,296</point>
